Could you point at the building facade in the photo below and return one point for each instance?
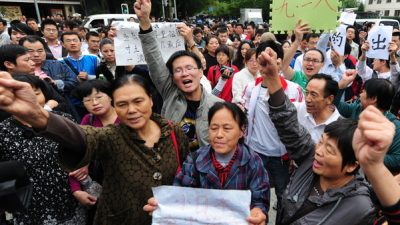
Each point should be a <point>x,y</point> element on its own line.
<point>14,9</point>
<point>383,7</point>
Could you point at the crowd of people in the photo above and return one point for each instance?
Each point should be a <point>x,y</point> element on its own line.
<point>240,108</point>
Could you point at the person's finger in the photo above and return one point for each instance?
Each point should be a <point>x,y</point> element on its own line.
<point>152,201</point>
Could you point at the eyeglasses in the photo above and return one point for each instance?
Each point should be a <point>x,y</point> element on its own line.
<point>71,40</point>
<point>91,100</point>
<point>188,69</point>
<point>50,30</point>
<point>313,61</point>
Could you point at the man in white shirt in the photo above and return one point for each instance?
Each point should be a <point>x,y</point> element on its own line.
<point>350,35</point>
<point>318,110</point>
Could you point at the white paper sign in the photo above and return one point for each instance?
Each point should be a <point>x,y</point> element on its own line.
<point>347,18</point>
<point>339,39</point>
<point>128,49</point>
<point>378,39</point>
<point>196,206</point>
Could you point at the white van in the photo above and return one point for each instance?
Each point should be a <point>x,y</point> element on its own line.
<point>93,22</point>
<point>386,22</point>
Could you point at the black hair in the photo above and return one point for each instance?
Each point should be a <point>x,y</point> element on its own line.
<point>224,49</point>
<point>252,24</point>
<point>85,88</point>
<point>351,27</point>
<point>197,30</point>
<point>31,19</point>
<point>396,33</point>
<point>92,33</point>
<point>331,86</point>
<point>239,59</point>
<point>10,52</point>
<point>222,30</point>
<point>342,131</point>
<point>347,48</point>
<point>48,22</point>
<point>317,50</point>
<point>71,24</point>
<point>233,37</point>
<point>35,38</point>
<point>35,82</point>
<point>239,25</point>
<point>106,41</point>
<point>179,54</point>
<point>69,33</point>
<point>208,39</point>
<point>273,45</point>
<point>382,90</point>
<point>130,79</point>
<point>3,21</point>
<point>259,32</point>
<point>311,35</point>
<point>238,114</point>
<point>20,27</point>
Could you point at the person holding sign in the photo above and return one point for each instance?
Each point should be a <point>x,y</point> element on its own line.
<point>327,185</point>
<point>313,59</point>
<point>227,163</point>
<point>380,69</point>
<point>178,81</point>
<point>379,93</point>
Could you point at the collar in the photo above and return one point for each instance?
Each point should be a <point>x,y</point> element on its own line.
<point>283,82</point>
<point>334,116</point>
<point>203,160</point>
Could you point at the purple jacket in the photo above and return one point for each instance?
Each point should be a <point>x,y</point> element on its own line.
<point>247,173</point>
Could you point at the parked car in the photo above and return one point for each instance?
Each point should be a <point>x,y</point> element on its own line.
<point>94,22</point>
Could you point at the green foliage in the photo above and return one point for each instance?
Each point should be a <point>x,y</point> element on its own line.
<point>349,3</point>
<point>361,7</point>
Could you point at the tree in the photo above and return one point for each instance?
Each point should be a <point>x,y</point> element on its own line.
<point>349,3</point>
<point>361,7</point>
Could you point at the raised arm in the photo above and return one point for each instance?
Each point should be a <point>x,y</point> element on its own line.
<point>300,30</point>
<point>371,142</point>
<point>283,113</point>
<point>363,70</point>
<point>159,72</point>
<point>394,66</point>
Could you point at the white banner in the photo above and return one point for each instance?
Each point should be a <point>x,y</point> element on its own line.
<point>196,206</point>
<point>128,49</point>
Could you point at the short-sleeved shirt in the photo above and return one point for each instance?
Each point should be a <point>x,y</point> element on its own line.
<point>300,78</point>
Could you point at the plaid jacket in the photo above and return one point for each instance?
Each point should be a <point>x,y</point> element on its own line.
<point>247,173</point>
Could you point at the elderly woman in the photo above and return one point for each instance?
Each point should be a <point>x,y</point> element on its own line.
<point>142,152</point>
<point>227,163</point>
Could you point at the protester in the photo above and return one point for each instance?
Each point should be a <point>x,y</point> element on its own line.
<point>212,44</point>
<point>33,24</point>
<point>227,163</point>
<point>261,135</point>
<point>143,152</point>
<point>52,71</point>
<point>221,75</point>
<point>371,141</point>
<point>18,30</point>
<point>93,44</point>
<point>312,62</point>
<point>244,46</point>
<point>4,37</point>
<point>40,157</point>
<point>379,93</point>
<point>326,185</point>
<point>245,76</point>
<point>185,100</point>
<point>97,99</point>
<point>50,33</point>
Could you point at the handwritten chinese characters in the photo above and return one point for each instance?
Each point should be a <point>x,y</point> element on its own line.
<point>320,14</point>
<point>378,39</point>
<point>195,206</point>
<point>128,49</point>
<point>339,39</point>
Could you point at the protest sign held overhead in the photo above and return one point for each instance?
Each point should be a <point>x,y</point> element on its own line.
<point>319,14</point>
<point>128,49</point>
<point>339,39</point>
<point>378,39</point>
